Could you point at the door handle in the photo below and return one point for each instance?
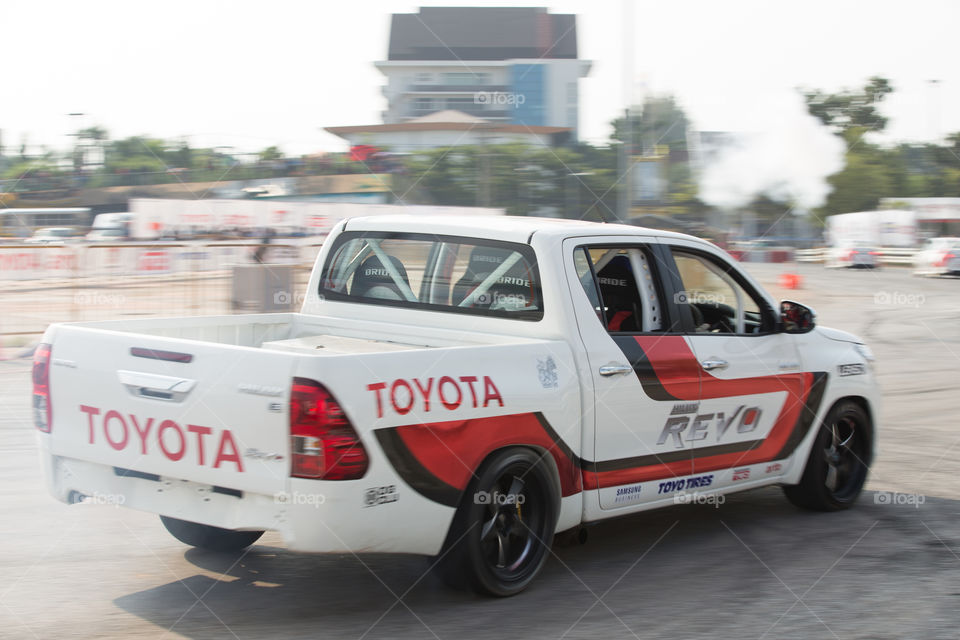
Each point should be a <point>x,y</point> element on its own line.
<point>615,369</point>
<point>155,386</point>
<point>710,365</point>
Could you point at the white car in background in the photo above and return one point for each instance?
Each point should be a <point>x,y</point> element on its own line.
<point>52,235</point>
<point>107,235</point>
<point>852,256</point>
<point>938,257</point>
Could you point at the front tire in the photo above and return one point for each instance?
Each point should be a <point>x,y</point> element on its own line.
<point>208,537</point>
<point>502,531</point>
<point>839,461</point>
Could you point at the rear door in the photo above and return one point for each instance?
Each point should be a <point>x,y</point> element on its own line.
<point>638,383</point>
<point>752,388</point>
<point>172,409</point>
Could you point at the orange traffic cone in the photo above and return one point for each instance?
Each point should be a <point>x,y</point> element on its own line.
<point>790,280</point>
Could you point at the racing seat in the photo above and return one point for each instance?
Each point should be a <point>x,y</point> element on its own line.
<point>373,281</point>
<point>621,298</point>
<point>513,291</point>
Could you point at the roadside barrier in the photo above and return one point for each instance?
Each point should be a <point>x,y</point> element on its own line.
<point>73,283</point>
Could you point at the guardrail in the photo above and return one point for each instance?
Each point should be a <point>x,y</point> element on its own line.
<point>890,255</point>
<point>810,255</point>
<point>898,256</point>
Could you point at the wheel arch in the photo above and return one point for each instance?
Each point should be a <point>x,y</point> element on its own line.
<point>542,453</point>
<point>803,452</point>
<point>864,404</point>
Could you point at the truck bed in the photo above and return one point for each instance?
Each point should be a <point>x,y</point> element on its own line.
<point>206,399</point>
<point>313,334</point>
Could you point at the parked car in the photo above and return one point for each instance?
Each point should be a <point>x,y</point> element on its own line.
<point>53,235</point>
<point>938,257</point>
<point>853,256</point>
<point>107,235</point>
<point>464,388</point>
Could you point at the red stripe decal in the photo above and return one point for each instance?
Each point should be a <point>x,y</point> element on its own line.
<point>452,450</point>
<point>673,361</point>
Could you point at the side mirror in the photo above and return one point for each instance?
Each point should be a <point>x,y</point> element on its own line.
<point>796,318</point>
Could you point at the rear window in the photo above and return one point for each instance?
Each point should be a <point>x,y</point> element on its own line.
<point>437,273</point>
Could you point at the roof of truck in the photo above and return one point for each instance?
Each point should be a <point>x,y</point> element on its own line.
<point>508,228</point>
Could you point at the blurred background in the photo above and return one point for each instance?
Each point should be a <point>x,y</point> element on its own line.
<point>165,149</point>
<point>155,155</point>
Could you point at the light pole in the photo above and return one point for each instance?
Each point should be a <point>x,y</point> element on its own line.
<point>78,147</point>
<point>576,185</point>
<point>523,188</point>
<point>934,109</point>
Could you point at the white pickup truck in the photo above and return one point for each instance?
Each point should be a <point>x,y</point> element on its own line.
<point>465,388</point>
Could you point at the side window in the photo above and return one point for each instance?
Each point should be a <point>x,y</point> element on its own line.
<point>581,261</point>
<point>717,302</point>
<point>619,283</point>
<point>439,273</point>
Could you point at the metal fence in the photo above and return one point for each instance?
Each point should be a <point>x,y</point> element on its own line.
<point>42,285</point>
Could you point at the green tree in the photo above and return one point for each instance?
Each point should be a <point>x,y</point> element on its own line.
<point>660,127</point>
<point>861,184</point>
<point>849,110</point>
<point>569,181</point>
<point>270,154</point>
<point>659,121</point>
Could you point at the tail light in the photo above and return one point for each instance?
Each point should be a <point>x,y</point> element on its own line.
<point>876,253</point>
<point>849,255</point>
<point>945,258</point>
<point>324,444</point>
<point>42,412</point>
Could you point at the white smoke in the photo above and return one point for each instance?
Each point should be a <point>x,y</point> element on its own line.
<point>787,157</point>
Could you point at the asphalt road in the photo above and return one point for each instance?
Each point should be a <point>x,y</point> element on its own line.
<point>753,567</point>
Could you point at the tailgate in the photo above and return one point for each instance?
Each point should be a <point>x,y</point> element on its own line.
<point>210,413</point>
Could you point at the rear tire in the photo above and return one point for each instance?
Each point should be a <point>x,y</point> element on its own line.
<point>501,534</point>
<point>839,461</point>
<point>208,537</point>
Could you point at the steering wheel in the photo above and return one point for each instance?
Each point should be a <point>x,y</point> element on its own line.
<point>721,326</point>
<point>720,317</point>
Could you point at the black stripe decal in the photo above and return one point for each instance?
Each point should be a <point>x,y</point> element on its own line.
<point>413,473</point>
<point>559,443</point>
<point>807,415</point>
<point>642,367</point>
<point>673,456</point>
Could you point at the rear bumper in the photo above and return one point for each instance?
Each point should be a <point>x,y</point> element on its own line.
<point>312,516</point>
